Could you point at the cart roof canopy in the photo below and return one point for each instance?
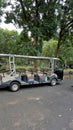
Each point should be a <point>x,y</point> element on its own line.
<point>28,57</point>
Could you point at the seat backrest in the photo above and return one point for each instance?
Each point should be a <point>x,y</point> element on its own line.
<point>24,78</point>
<point>36,77</point>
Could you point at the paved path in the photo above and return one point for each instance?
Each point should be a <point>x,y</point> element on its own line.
<point>38,108</point>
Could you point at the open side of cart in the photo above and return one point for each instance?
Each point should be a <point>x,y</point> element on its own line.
<point>53,74</point>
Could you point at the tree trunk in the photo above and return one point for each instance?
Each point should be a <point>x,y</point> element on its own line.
<point>59,44</point>
<point>58,47</point>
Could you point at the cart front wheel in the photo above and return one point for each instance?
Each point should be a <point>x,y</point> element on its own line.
<point>14,86</point>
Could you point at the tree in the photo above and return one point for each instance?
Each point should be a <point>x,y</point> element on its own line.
<point>35,16</point>
<point>65,20</point>
<point>49,48</point>
<point>2,5</point>
<point>8,41</point>
<point>25,44</point>
<point>43,18</point>
<point>66,50</point>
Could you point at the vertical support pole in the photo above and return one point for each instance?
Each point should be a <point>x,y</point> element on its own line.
<point>12,65</point>
<point>52,65</point>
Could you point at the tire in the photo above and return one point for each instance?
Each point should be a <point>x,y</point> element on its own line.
<point>53,82</point>
<point>14,86</point>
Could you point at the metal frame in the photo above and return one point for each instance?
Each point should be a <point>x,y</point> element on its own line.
<point>14,82</point>
<point>13,56</point>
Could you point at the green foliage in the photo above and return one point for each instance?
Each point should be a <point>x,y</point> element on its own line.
<point>64,20</point>
<point>3,4</point>
<point>14,43</point>
<point>24,44</point>
<point>43,18</point>
<point>49,48</point>
<point>66,50</point>
<point>8,41</point>
<point>33,15</point>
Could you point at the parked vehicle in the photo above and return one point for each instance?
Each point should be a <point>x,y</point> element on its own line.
<point>53,74</point>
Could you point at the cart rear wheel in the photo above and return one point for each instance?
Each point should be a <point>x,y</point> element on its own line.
<point>14,86</point>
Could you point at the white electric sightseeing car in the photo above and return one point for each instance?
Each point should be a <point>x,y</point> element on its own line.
<point>48,70</point>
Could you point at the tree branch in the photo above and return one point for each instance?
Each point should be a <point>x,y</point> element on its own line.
<point>23,9</point>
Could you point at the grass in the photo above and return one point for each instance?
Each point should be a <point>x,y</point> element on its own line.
<point>68,70</point>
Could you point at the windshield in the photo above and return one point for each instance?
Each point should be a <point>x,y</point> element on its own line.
<point>58,64</point>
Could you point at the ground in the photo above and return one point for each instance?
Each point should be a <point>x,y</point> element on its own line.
<point>38,108</point>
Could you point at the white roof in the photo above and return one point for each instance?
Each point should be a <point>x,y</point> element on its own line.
<point>28,57</point>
